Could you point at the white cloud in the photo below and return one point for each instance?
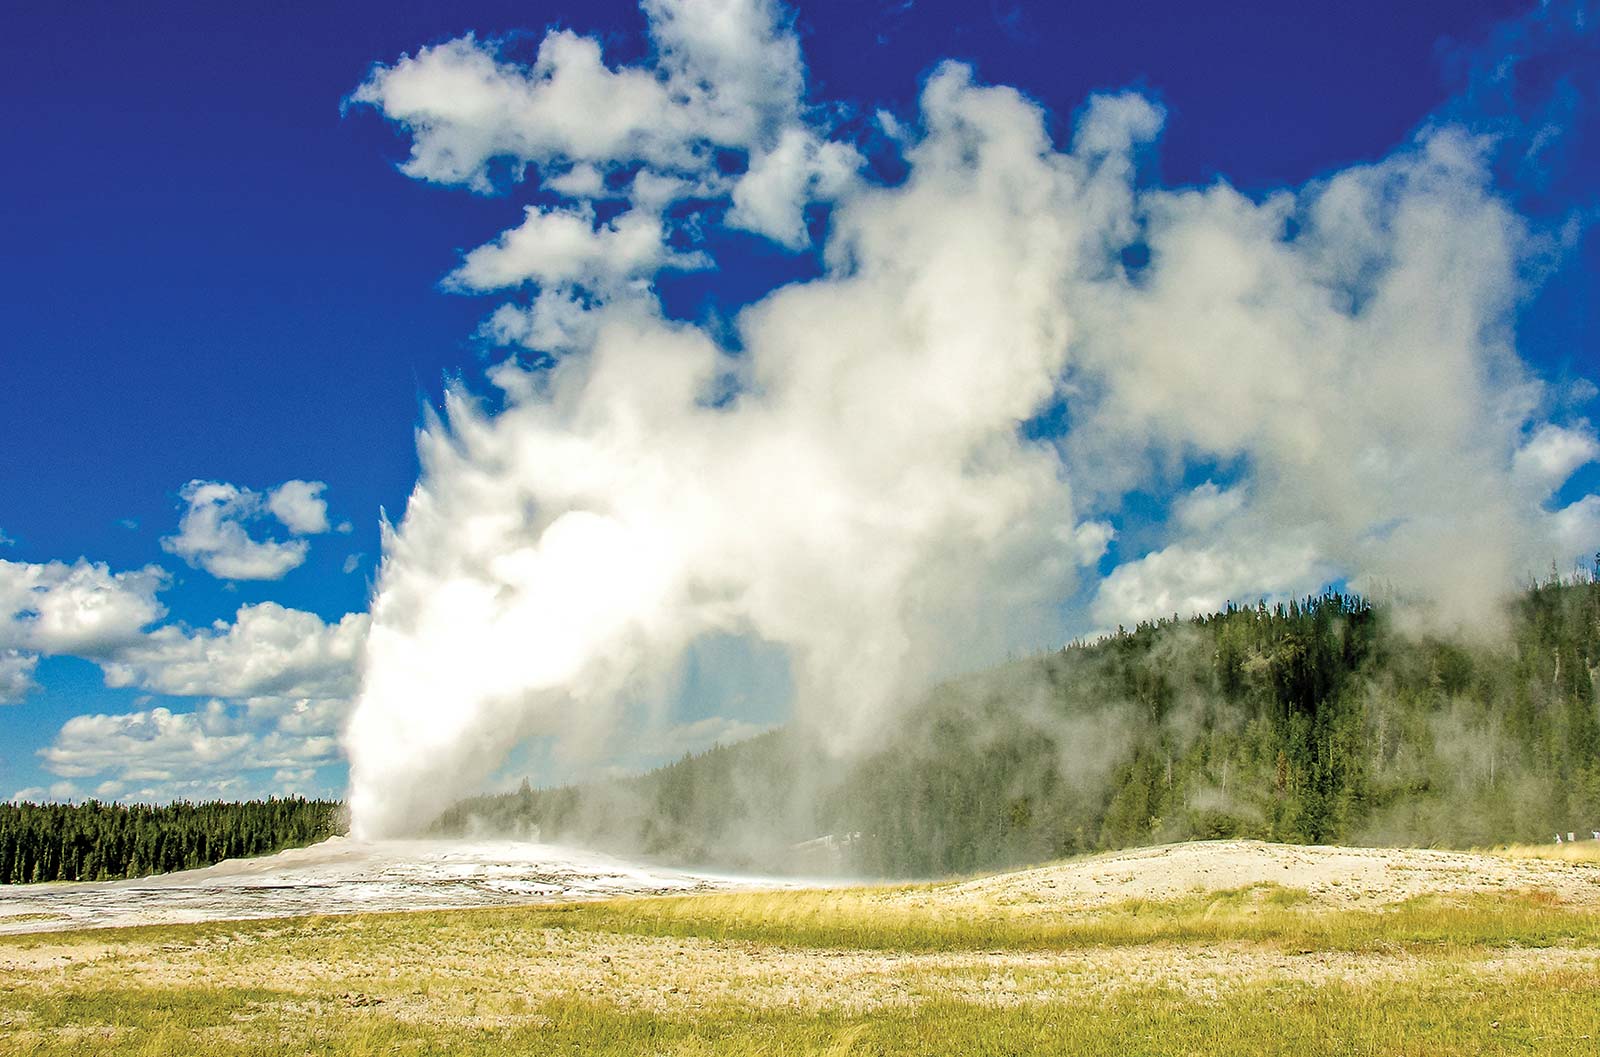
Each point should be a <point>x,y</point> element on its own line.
<point>279,681</point>
<point>726,72</point>
<point>1577,530</point>
<point>770,198</point>
<point>579,181</point>
<point>55,793</point>
<point>1186,580</point>
<point>286,674</point>
<point>268,650</point>
<point>464,107</point>
<point>733,65</point>
<point>1552,453</point>
<point>557,321</point>
<point>6,541</point>
<point>158,754</point>
<point>1207,506</point>
<point>82,608</point>
<point>153,745</point>
<point>16,675</point>
<point>722,76</point>
<point>299,506</point>
<point>1114,125</point>
<point>352,562</point>
<point>212,533</point>
<point>1088,542</point>
<point>563,246</point>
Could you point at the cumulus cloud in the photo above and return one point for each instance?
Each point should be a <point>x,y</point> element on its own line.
<point>770,198</point>
<point>1553,453</point>
<point>1207,506</point>
<point>1577,530</point>
<point>268,650</point>
<point>59,792</point>
<point>723,79</point>
<point>83,608</point>
<point>86,610</point>
<point>564,247</point>
<point>158,754</point>
<point>725,73</point>
<point>152,745</point>
<point>299,507</point>
<point>16,675</point>
<point>213,532</point>
<point>280,681</point>
<point>1184,580</point>
<point>464,107</point>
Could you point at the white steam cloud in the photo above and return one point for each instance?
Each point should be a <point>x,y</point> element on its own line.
<point>847,475</point>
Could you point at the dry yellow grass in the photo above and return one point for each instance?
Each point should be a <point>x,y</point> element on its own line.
<point>941,969</point>
<point>1582,851</point>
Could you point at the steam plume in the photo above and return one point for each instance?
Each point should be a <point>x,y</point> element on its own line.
<point>847,474</point>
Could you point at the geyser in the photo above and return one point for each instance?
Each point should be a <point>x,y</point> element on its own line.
<point>857,468</point>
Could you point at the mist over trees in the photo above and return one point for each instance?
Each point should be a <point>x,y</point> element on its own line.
<point>1321,720</point>
<point>94,841</point>
<point>1316,721</point>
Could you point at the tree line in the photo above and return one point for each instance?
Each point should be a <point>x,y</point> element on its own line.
<point>95,841</point>
<point>1323,719</point>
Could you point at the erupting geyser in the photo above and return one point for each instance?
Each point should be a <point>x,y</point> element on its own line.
<point>902,466</point>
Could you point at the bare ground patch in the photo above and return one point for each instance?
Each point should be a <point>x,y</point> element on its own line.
<point>1332,876</point>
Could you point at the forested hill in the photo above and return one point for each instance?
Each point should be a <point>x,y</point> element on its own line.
<point>1318,721</point>
<point>93,841</point>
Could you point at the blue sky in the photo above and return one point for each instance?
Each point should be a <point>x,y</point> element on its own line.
<point>216,274</point>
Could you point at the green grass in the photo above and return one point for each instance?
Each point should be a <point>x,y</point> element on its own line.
<point>861,919</point>
<point>1581,851</point>
<point>1431,976</point>
<point>878,919</point>
<point>1539,1014</point>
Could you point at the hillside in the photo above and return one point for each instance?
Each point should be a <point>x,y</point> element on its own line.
<point>1319,721</point>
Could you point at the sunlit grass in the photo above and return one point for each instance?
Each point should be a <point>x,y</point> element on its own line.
<point>908,919</point>
<point>1568,851</point>
<point>874,919</point>
<point>866,971</point>
<point>1552,1013</point>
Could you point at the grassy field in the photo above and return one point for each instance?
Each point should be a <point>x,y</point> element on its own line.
<point>1577,851</point>
<point>1259,970</point>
